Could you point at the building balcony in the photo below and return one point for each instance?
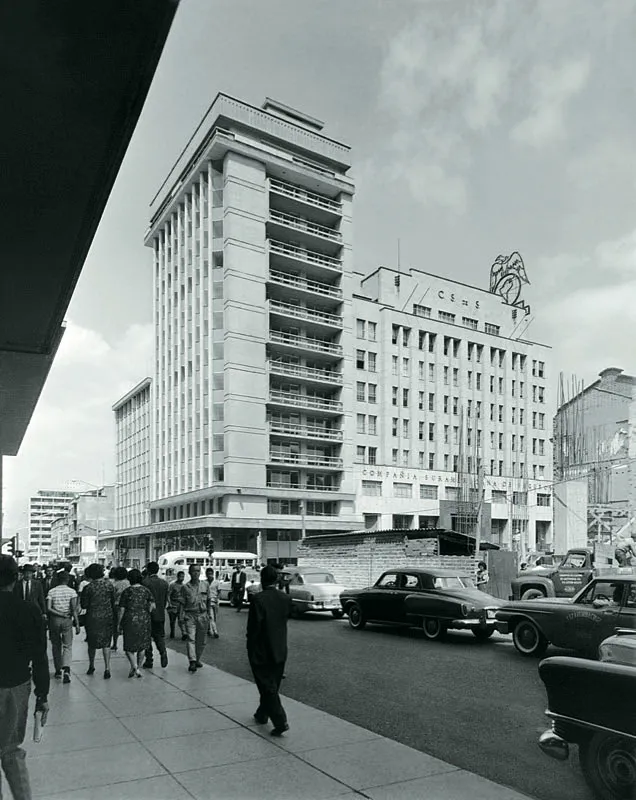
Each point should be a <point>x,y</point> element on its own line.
<point>291,255</point>
<point>295,197</point>
<point>295,400</point>
<point>311,315</point>
<point>305,232</point>
<point>305,343</point>
<point>308,373</point>
<point>299,431</point>
<point>302,487</point>
<point>305,460</point>
<point>304,285</point>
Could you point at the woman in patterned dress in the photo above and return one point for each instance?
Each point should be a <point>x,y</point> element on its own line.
<point>98,598</point>
<point>119,579</point>
<point>135,604</point>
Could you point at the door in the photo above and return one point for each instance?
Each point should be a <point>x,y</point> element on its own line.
<point>572,574</point>
<point>593,617</point>
<point>627,618</point>
<point>408,583</point>
<point>381,599</point>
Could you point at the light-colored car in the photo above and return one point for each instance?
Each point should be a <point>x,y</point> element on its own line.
<point>619,648</point>
<point>253,577</point>
<point>311,589</point>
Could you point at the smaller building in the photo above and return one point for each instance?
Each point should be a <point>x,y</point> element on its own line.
<point>60,538</point>
<point>132,451</point>
<point>90,515</point>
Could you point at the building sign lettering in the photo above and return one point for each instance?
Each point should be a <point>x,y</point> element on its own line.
<point>453,299</point>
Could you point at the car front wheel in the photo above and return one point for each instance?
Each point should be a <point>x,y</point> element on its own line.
<point>356,617</point>
<point>433,628</point>
<point>528,639</point>
<point>337,613</point>
<point>608,762</point>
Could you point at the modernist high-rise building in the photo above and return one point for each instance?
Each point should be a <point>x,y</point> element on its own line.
<point>44,507</point>
<point>291,395</point>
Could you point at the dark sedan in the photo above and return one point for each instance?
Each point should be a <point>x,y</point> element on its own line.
<point>579,623</point>
<point>435,600</point>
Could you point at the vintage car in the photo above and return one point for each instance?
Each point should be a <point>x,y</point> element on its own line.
<point>252,577</point>
<point>311,589</point>
<point>593,705</point>
<point>579,623</point>
<point>435,600</point>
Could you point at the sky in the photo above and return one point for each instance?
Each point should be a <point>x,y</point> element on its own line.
<point>478,127</point>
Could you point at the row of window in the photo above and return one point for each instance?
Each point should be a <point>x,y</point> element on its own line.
<point>430,492</point>
<point>313,508</point>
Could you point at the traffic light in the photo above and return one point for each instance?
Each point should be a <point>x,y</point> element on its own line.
<point>210,546</point>
<point>18,554</point>
<point>13,548</point>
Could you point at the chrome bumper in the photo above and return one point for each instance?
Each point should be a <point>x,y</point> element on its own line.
<point>472,622</point>
<point>554,746</point>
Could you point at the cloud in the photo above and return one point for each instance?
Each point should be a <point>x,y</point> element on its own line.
<point>71,435</point>
<point>619,255</point>
<point>552,89</point>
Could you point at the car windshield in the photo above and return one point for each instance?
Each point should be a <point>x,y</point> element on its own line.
<point>318,577</point>
<point>454,582</point>
<point>574,560</point>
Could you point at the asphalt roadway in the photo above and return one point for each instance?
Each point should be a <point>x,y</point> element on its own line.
<point>477,705</point>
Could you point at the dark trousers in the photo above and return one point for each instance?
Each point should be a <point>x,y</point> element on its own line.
<point>158,633</point>
<point>267,678</point>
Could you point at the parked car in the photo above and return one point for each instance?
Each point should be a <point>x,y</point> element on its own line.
<point>593,706</point>
<point>253,577</point>
<point>311,589</point>
<point>435,600</point>
<point>579,623</point>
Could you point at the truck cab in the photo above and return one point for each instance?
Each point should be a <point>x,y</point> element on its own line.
<point>572,573</point>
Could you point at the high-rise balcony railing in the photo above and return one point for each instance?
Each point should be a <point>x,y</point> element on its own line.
<point>297,282</point>
<point>304,255</point>
<point>300,371</point>
<point>304,459</point>
<point>306,342</point>
<point>303,196</point>
<point>305,431</point>
<point>313,228</point>
<point>308,314</point>
<point>302,486</point>
<point>296,400</point>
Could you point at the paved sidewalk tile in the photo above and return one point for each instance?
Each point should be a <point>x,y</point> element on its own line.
<point>316,731</point>
<point>161,788</point>
<point>91,768</point>
<point>169,724</point>
<point>445,786</point>
<point>232,746</point>
<point>65,739</point>
<point>173,700</point>
<point>374,763</point>
<point>282,778</point>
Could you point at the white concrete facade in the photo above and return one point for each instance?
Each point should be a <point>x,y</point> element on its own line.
<point>132,457</point>
<point>45,507</point>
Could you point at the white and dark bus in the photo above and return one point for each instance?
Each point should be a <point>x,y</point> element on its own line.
<point>221,562</point>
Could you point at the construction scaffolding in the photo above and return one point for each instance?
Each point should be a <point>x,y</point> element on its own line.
<point>465,514</point>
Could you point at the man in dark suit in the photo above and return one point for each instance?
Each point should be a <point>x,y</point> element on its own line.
<point>239,581</point>
<point>267,648</point>
<point>47,581</point>
<point>30,589</point>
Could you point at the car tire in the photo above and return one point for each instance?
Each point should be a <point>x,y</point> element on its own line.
<point>356,617</point>
<point>608,762</point>
<point>337,613</point>
<point>528,639</point>
<point>433,628</point>
<point>482,634</point>
<point>532,594</point>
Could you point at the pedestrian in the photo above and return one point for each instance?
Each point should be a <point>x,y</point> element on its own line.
<point>120,582</point>
<point>213,583</point>
<point>267,648</point>
<point>135,605</point>
<point>482,578</point>
<point>62,605</point>
<point>98,599</point>
<point>239,581</point>
<point>195,616</point>
<point>22,657</point>
<point>175,598</point>
<point>29,588</point>
<point>625,551</point>
<point>47,582</point>
<point>158,588</point>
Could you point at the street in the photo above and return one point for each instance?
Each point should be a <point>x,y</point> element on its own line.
<point>476,705</point>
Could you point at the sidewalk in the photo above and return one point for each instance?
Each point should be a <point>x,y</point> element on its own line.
<point>175,736</point>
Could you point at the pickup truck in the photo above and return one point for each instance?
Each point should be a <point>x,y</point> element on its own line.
<point>576,569</point>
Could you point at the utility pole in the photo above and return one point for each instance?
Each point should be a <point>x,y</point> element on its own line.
<point>480,510</point>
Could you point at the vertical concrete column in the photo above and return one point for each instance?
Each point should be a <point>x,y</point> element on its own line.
<point>631,463</point>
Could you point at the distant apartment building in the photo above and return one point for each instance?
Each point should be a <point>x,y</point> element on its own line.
<point>292,396</point>
<point>595,441</point>
<point>91,518</point>
<point>132,453</point>
<point>44,507</point>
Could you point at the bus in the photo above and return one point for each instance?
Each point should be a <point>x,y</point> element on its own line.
<point>221,562</point>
